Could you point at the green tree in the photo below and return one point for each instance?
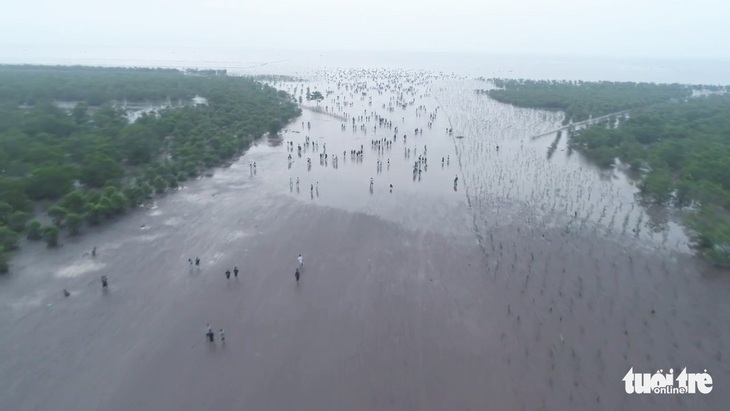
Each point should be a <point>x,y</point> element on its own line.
<point>57,213</point>
<point>99,170</point>
<point>73,223</point>
<point>50,235</point>
<point>134,194</point>
<point>657,185</point>
<point>118,202</point>
<point>160,185</point>
<point>49,182</point>
<point>34,230</point>
<point>74,201</point>
<point>138,144</point>
<point>316,96</point>
<point>172,182</point>
<point>275,126</point>
<point>12,192</point>
<point>94,214</point>
<point>147,190</point>
<point>106,206</point>
<point>17,220</point>
<point>8,239</point>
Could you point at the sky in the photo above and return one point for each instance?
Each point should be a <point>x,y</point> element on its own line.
<point>691,29</point>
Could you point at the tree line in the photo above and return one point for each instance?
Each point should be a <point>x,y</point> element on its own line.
<point>682,150</point>
<point>581,100</point>
<point>89,163</point>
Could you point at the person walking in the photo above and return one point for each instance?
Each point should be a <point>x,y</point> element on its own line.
<point>222,335</point>
<point>197,261</point>
<point>228,274</point>
<point>235,271</point>
<point>300,260</point>
<point>296,274</point>
<point>209,333</point>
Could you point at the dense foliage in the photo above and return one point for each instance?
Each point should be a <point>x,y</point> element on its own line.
<point>89,162</point>
<point>582,100</point>
<point>684,150</point>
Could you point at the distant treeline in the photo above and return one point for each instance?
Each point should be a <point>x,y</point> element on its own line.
<point>581,100</point>
<point>89,163</point>
<point>98,85</point>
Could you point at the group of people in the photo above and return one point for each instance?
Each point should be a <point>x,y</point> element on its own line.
<point>235,273</point>
<point>209,334</point>
<point>400,91</point>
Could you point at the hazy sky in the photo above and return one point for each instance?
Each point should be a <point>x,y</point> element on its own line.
<point>650,28</point>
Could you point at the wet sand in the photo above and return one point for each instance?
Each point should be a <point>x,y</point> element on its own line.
<point>491,296</point>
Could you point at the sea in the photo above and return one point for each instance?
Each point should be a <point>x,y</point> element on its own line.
<point>306,62</point>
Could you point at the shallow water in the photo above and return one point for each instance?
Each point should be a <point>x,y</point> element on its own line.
<point>534,282</point>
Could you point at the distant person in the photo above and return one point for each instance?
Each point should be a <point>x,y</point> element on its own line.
<point>228,274</point>
<point>190,260</point>
<point>296,274</point>
<point>209,333</point>
<point>222,335</point>
<point>235,271</point>
<point>93,252</point>
<point>197,261</point>
<point>300,260</point>
<point>104,282</point>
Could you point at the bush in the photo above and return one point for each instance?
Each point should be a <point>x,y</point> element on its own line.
<point>50,235</point>
<point>118,203</point>
<point>8,239</point>
<point>94,214</point>
<point>172,182</point>
<point>160,185</point>
<point>73,222</point>
<point>57,213</point>
<point>33,230</point>
<point>74,201</point>
<point>17,220</point>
